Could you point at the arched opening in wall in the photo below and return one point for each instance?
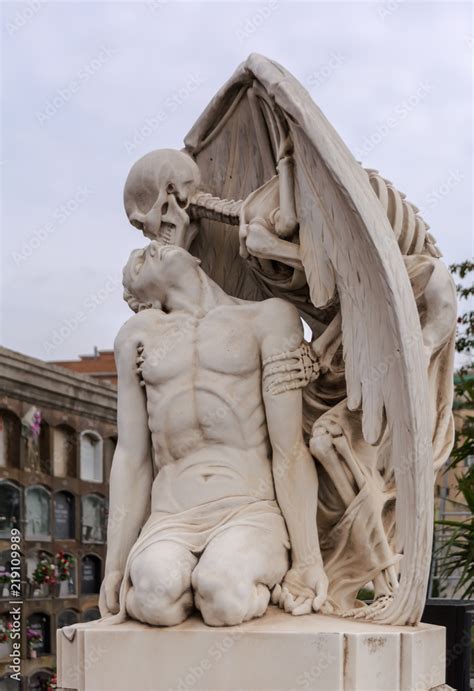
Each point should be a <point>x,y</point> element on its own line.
<point>38,513</point>
<point>38,635</point>
<point>64,516</point>
<point>40,574</point>
<point>91,574</point>
<point>109,449</point>
<point>64,451</point>
<point>93,519</point>
<point>91,614</point>
<point>41,680</point>
<point>45,448</point>
<point>5,639</point>
<point>10,439</point>
<point>66,572</point>
<point>67,617</point>
<point>10,503</point>
<point>91,453</point>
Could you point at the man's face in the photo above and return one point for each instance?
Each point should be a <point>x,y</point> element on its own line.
<point>151,272</point>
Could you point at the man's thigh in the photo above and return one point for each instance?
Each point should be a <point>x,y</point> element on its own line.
<point>247,553</point>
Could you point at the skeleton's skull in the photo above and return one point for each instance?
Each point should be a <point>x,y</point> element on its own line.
<point>157,193</point>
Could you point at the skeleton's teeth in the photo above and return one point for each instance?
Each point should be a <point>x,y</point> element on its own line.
<point>166,234</point>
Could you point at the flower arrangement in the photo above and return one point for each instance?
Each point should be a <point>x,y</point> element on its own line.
<point>33,635</point>
<point>5,630</point>
<point>36,425</point>
<point>34,638</point>
<point>64,564</point>
<point>32,423</point>
<point>53,683</point>
<point>45,572</point>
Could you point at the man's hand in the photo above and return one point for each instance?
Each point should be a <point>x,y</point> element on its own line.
<point>304,589</point>
<point>109,593</point>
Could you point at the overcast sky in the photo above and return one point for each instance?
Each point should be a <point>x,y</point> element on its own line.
<point>81,81</point>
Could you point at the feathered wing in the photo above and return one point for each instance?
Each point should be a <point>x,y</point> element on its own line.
<point>348,246</point>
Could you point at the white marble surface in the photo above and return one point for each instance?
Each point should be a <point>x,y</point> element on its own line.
<point>277,652</point>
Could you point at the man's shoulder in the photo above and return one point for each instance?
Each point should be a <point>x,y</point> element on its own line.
<point>275,320</point>
<point>271,308</point>
<point>276,308</point>
<point>132,332</point>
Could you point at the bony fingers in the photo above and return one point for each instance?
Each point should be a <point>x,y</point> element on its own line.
<point>286,377</point>
<point>285,355</point>
<point>271,370</point>
<point>280,388</point>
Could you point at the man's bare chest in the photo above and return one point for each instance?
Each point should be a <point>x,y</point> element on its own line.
<point>183,346</point>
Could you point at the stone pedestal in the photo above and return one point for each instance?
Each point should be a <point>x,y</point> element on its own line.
<point>278,653</point>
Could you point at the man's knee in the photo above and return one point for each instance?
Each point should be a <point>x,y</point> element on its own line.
<point>223,597</point>
<point>159,587</point>
<point>158,609</point>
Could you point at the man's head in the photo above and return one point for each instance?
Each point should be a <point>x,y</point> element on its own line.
<point>157,193</point>
<point>151,273</point>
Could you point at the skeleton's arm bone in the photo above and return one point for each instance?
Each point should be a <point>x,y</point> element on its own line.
<point>204,205</point>
<point>256,239</point>
<point>286,220</point>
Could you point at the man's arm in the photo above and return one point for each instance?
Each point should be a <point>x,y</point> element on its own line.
<point>131,475</point>
<point>294,471</point>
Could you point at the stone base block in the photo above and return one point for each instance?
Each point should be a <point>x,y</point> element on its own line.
<point>276,653</point>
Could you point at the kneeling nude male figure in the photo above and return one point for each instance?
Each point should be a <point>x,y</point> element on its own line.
<point>216,488</point>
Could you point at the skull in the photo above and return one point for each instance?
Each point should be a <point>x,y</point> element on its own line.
<point>157,193</point>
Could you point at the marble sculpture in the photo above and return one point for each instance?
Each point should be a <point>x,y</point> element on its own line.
<point>254,465</point>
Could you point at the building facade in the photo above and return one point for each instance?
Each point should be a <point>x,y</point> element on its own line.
<point>100,365</point>
<point>57,439</point>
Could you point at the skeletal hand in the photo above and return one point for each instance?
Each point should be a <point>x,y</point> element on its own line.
<point>256,239</point>
<point>303,590</point>
<point>292,369</point>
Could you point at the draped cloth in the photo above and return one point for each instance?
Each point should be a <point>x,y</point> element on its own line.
<point>195,528</point>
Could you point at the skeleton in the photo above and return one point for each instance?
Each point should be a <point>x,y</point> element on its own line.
<point>293,250</point>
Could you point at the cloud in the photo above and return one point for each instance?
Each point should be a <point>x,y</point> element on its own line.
<point>383,50</point>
